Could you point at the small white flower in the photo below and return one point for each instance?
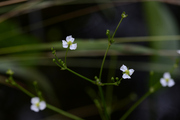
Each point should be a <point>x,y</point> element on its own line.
<point>69,43</point>
<point>178,51</point>
<point>166,80</point>
<point>37,104</point>
<point>126,72</point>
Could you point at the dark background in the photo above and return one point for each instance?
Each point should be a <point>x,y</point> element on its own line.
<point>88,21</point>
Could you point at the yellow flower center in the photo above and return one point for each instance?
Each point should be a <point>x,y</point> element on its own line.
<point>167,80</point>
<point>127,72</point>
<point>69,43</point>
<point>37,104</point>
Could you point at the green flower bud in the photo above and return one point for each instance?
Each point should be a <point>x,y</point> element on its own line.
<point>59,60</point>
<point>52,48</point>
<point>54,60</point>
<point>123,15</point>
<point>107,32</point>
<point>151,89</point>
<point>9,72</point>
<point>111,41</point>
<point>35,83</point>
<point>54,52</point>
<point>13,83</point>
<point>112,78</point>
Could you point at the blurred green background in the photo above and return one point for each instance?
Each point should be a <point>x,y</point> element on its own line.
<point>147,40</point>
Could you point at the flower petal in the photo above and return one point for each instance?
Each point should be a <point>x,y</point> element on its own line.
<point>42,105</point>
<point>171,83</point>
<point>163,82</point>
<point>64,43</point>
<point>70,38</point>
<point>73,46</point>
<point>123,68</point>
<point>126,76</point>
<point>131,71</point>
<point>167,75</point>
<point>35,100</point>
<point>178,51</point>
<point>34,108</point>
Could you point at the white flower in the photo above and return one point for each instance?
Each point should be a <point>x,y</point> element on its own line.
<point>126,72</point>
<point>69,43</point>
<point>178,51</point>
<point>166,80</point>
<point>37,104</point>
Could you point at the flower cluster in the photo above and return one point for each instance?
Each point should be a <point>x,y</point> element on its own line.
<point>37,104</point>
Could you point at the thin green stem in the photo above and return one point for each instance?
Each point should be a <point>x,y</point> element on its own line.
<point>117,28</point>
<point>80,75</point>
<point>100,88</point>
<point>100,73</point>
<point>104,108</point>
<point>92,93</point>
<point>109,84</point>
<point>24,90</point>
<point>58,64</point>
<point>66,55</point>
<point>151,90</point>
<point>135,105</point>
<point>63,112</point>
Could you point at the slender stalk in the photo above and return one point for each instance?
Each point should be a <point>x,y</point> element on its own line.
<point>24,90</point>
<point>135,105</point>
<point>100,88</point>
<point>109,88</point>
<point>104,108</point>
<point>100,73</point>
<point>66,55</point>
<point>117,28</point>
<point>109,84</point>
<point>81,76</point>
<point>63,112</point>
<point>58,64</point>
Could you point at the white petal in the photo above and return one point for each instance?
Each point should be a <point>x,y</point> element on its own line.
<point>131,71</point>
<point>125,76</point>
<point>178,51</point>
<point>70,38</point>
<point>34,108</point>
<point>163,82</point>
<point>34,100</point>
<point>73,46</point>
<point>171,83</point>
<point>64,43</point>
<point>167,75</point>
<point>42,105</point>
<point>123,68</point>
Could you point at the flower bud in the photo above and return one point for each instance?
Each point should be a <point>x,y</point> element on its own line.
<point>124,15</point>
<point>52,48</point>
<point>107,32</point>
<point>59,60</point>
<point>9,72</point>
